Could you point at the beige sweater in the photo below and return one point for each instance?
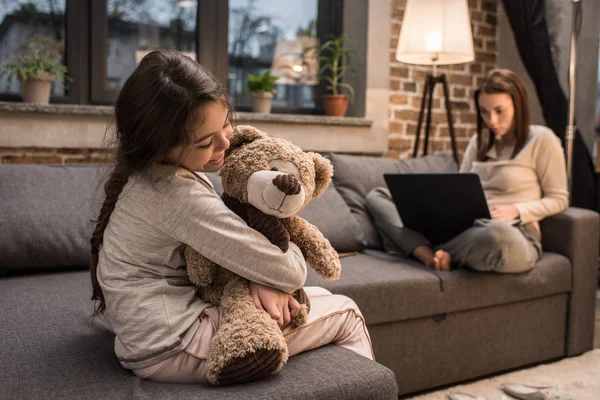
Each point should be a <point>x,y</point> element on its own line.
<point>150,302</point>
<point>535,181</point>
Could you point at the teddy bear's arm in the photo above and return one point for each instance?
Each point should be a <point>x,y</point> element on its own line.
<point>317,250</point>
<point>199,268</point>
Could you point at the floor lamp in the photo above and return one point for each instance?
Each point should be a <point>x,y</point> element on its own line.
<point>435,32</point>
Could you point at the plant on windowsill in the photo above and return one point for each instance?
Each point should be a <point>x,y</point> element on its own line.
<point>334,60</point>
<point>37,63</point>
<point>262,89</point>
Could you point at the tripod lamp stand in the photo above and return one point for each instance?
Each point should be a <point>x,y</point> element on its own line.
<point>435,32</point>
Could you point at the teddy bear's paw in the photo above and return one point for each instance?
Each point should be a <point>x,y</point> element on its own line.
<point>300,318</point>
<point>246,349</point>
<point>302,298</point>
<point>252,367</point>
<point>332,269</point>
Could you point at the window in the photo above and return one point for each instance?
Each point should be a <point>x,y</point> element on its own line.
<point>103,40</point>
<point>272,35</point>
<point>22,21</point>
<point>130,30</point>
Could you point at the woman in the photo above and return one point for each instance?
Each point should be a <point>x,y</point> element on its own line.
<point>523,174</point>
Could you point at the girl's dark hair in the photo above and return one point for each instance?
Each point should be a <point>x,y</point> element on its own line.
<point>503,81</point>
<point>151,111</point>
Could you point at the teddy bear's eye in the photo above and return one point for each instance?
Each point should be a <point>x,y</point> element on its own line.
<point>274,169</point>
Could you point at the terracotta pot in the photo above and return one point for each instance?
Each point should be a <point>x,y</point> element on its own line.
<point>261,102</point>
<point>335,105</point>
<point>36,89</point>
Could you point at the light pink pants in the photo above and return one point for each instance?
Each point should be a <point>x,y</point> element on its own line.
<point>332,319</point>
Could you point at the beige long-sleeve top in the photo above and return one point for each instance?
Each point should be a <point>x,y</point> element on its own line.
<point>150,302</point>
<point>535,181</point>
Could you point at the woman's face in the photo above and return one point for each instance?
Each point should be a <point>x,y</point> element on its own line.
<point>210,129</point>
<point>498,111</point>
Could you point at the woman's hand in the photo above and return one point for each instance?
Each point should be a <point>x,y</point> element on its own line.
<point>281,306</point>
<point>506,213</point>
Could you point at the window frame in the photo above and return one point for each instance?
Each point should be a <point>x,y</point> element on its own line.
<point>99,53</point>
<point>75,56</point>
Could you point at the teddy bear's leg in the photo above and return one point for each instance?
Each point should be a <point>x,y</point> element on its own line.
<point>249,344</point>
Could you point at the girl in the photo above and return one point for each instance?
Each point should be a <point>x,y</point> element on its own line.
<point>171,113</point>
<point>522,170</point>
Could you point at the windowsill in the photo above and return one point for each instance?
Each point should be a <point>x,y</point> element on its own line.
<point>86,126</point>
<point>77,109</point>
<point>303,119</point>
<point>73,109</point>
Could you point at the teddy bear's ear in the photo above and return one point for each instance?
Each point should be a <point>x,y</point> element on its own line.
<point>323,173</point>
<point>243,134</point>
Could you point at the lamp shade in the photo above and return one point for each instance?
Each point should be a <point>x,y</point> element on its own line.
<point>435,32</point>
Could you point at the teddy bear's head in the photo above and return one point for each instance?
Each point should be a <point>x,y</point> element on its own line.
<point>272,174</point>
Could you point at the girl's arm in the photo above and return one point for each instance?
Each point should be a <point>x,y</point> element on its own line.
<point>469,156</point>
<point>194,215</point>
<point>550,167</point>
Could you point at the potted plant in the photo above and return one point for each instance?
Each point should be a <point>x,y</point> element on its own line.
<point>334,61</point>
<point>262,89</point>
<point>37,63</point>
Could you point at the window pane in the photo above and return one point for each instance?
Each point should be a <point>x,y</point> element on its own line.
<point>136,27</point>
<point>23,20</point>
<point>271,34</point>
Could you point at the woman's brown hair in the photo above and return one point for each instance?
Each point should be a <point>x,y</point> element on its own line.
<point>503,81</point>
<point>150,114</point>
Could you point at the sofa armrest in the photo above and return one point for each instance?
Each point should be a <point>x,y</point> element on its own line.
<point>575,234</point>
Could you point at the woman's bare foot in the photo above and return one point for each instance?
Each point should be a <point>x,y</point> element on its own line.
<point>441,261</point>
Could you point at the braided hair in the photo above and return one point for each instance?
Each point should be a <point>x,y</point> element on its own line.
<point>151,111</point>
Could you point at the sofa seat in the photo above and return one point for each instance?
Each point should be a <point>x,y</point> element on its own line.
<point>388,288</point>
<point>51,348</point>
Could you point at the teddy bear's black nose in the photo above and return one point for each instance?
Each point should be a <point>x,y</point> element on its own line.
<point>288,184</point>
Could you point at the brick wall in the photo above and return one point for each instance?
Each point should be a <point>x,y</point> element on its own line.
<point>406,86</point>
<point>39,155</point>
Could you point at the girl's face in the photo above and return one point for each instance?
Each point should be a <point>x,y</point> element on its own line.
<point>210,129</point>
<point>498,111</point>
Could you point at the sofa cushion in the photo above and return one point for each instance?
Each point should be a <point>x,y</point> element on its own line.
<point>356,176</point>
<point>328,212</point>
<point>51,348</point>
<point>46,214</point>
<point>387,288</point>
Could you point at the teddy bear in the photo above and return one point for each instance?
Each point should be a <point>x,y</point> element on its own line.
<point>267,182</point>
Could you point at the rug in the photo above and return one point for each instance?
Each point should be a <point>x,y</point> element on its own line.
<point>578,376</point>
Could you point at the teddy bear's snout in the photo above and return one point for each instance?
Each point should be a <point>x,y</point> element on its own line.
<point>288,184</point>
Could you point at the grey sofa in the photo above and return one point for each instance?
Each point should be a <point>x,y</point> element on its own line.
<point>428,328</point>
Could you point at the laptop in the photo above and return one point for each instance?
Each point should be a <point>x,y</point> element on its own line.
<point>440,206</point>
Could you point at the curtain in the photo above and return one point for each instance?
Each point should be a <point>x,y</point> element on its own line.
<point>527,19</point>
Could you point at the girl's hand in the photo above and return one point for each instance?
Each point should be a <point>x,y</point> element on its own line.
<point>281,306</point>
<point>506,213</point>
